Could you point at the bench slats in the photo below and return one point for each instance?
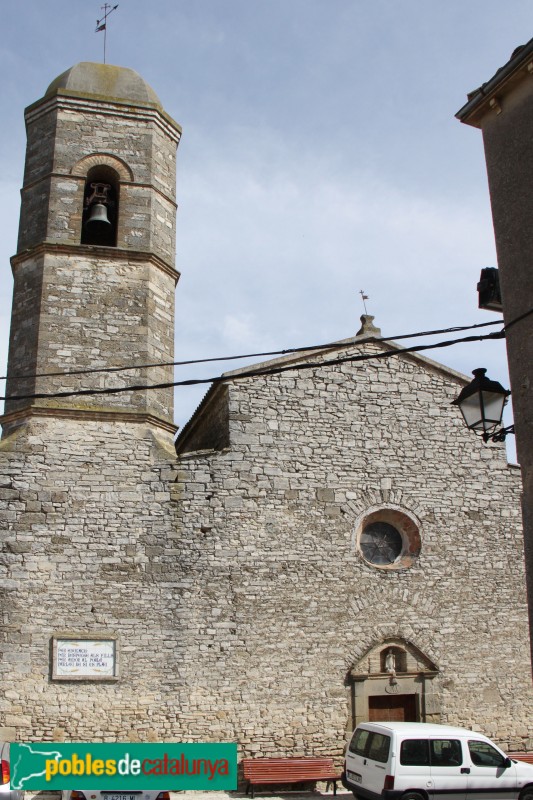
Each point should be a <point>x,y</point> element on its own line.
<point>269,777</point>
<point>289,770</point>
<point>527,757</point>
<point>283,770</point>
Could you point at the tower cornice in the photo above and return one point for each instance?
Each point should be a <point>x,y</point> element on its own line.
<point>14,418</point>
<point>95,251</point>
<point>68,99</point>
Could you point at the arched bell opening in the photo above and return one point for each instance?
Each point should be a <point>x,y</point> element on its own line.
<point>100,207</point>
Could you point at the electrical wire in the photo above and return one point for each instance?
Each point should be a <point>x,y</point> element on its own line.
<point>287,351</point>
<point>518,319</point>
<point>264,372</point>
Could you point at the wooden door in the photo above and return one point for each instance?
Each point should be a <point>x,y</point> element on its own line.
<point>392,708</point>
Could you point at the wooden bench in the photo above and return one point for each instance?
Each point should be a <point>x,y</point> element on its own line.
<point>527,757</point>
<point>259,771</point>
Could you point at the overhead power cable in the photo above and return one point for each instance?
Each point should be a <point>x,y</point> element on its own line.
<point>518,319</point>
<point>267,354</point>
<point>265,372</point>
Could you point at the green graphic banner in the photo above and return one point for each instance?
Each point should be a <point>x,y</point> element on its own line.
<point>122,767</point>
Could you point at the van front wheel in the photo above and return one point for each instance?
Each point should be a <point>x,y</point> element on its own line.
<point>358,796</point>
<point>526,794</point>
<point>418,796</point>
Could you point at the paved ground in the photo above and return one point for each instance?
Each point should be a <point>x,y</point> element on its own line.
<point>314,795</point>
<point>309,795</point>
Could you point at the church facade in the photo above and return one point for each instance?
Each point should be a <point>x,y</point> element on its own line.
<point>323,544</point>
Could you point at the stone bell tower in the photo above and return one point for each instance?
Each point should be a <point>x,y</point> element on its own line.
<point>94,274</point>
<point>85,478</point>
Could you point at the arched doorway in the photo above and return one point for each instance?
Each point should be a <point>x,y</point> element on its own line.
<point>393,681</point>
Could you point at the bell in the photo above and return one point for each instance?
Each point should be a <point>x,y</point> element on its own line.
<point>98,213</point>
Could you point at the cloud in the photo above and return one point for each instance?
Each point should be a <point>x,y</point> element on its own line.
<point>238,332</point>
<point>291,233</point>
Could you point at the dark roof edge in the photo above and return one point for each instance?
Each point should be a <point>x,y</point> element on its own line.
<point>481,95</point>
<point>190,426</point>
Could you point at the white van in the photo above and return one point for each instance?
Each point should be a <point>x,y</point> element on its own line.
<point>420,761</point>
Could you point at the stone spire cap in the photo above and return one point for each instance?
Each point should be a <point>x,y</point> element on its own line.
<point>105,81</point>
<point>367,327</point>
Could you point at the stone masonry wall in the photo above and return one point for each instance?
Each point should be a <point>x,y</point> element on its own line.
<point>89,312</point>
<point>83,307</point>
<point>51,206</point>
<point>233,581</point>
<point>86,518</point>
<point>284,602</point>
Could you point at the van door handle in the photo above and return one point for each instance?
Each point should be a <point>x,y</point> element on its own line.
<point>465,770</point>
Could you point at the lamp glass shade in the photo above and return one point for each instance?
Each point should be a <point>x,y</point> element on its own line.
<point>482,403</point>
<point>483,411</point>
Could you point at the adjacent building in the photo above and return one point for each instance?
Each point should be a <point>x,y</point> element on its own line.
<point>503,109</point>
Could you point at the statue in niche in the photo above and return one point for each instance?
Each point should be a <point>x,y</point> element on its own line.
<point>390,669</point>
<point>390,663</point>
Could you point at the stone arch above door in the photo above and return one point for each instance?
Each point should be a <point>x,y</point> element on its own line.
<point>408,655</point>
<point>396,669</point>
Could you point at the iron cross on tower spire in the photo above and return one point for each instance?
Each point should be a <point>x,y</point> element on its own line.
<point>101,24</point>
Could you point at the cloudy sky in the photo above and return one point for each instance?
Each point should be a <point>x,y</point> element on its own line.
<point>320,156</point>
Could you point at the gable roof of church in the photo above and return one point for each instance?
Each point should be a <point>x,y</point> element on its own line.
<point>364,336</point>
<point>368,334</point>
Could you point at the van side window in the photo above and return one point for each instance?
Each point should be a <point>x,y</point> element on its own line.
<point>359,742</point>
<point>414,752</point>
<point>483,755</point>
<point>378,748</point>
<point>446,753</point>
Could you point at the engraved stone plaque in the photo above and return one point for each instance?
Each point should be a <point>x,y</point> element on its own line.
<point>84,659</point>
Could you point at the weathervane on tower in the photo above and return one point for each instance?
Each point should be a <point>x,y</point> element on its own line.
<point>101,24</point>
<point>364,297</point>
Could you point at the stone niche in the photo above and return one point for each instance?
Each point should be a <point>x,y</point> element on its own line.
<point>394,681</point>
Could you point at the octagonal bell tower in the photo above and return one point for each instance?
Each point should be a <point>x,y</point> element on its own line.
<point>94,274</point>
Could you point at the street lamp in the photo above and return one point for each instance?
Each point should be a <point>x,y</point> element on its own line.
<point>481,403</point>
